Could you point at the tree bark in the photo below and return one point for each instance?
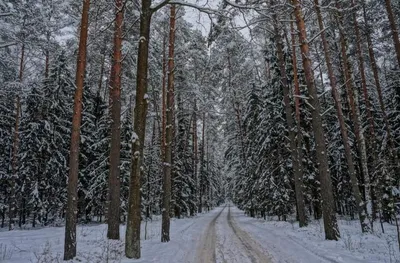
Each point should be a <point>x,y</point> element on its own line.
<point>113,216</point>
<point>14,159</point>
<point>132,238</point>
<point>328,210</point>
<point>102,65</point>
<point>195,155</point>
<point>297,166</point>
<point>374,67</point>
<point>201,174</point>
<point>352,94</point>
<point>167,165</point>
<point>395,32</point>
<point>342,125</point>
<point>361,66</point>
<point>72,189</point>
<point>164,99</point>
<point>302,214</point>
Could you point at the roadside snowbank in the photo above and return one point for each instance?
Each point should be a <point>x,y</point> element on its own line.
<point>46,245</point>
<point>286,242</point>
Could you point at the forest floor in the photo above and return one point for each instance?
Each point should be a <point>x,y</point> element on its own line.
<point>222,235</point>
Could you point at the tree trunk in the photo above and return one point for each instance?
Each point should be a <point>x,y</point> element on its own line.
<point>14,165</point>
<point>167,165</point>
<point>302,214</point>
<point>132,238</point>
<point>195,157</point>
<point>395,32</point>
<point>164,98</point>
<point>72,189</point>
<point>361,67</point>
<point>328,209</point>
<point>14,158</point>
<point>379,91</point>
<point>202,179</point>
<point>342,125</point>
<point>352,94</point>
<point>103,60</point>
<point>297,166</point>
<point>115,148</point>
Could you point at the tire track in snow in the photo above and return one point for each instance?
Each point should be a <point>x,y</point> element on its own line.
<point>294,244</point>
<point>205,252</point>
<point>253,249</point>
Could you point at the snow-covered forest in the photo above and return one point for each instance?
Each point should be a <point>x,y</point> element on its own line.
<point>133,131</point>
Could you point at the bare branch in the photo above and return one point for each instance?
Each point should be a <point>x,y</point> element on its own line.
<point>4,45</point>
<point>159,6</point>
<point>5,14</point>
<point>202,9</point>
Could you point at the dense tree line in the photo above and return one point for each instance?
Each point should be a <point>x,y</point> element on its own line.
<point>119,111</point>
<point>330,145</point>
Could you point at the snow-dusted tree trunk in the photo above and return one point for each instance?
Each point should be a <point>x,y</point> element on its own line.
<point>164,97</point>
<point>328,209</point>
<point>299,135</point>
<point>167,165</point>
<point>14,160</point>
<point>394,29</point>
<point>115,101</point>
<point>132,237</point>
<point>297,165</point>
<point>342,124</point>
<point>352,94</point>
<point>195,156</point>
<point>72,209</point>
<point>378,86</point>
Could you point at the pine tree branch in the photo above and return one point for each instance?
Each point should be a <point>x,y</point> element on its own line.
<point>4,45</point>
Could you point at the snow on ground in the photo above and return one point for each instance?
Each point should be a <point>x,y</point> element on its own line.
<point>46,245</point>
<point>222,235</point>
<point>286,242</point>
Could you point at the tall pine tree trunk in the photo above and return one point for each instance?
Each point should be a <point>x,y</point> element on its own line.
<point>195,156</point>
<point>115,148</point>
<point>328,208</point>
<point>167,164</point>
<point>342,124</point>
<point>15,146</point>
<point>102,65</point>
<point>72,189</point>
<point>352,94</point>
<point>297,165</point>
<point>374,67</point>
<point>395,32</point>
<point>202,171</point>
<point>132,237</point>
<point>47,54</point>
<point>299,139</point>
<point>361,66</point>
<point>164,99</point>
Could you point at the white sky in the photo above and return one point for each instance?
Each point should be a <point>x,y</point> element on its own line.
<point>201,21</point>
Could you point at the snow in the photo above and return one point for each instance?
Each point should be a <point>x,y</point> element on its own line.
<point>39,245</point>
<point>222,235</point>
<point>287,242</point>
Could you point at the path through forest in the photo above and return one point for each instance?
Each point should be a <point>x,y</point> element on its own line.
<point>223,235</point>
<point>223,241</point>
<point>230,237</point>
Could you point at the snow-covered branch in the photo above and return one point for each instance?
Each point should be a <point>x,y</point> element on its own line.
<point>4,45</point>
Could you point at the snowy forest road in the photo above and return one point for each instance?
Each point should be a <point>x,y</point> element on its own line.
<point>223,241</point>
<point>206,249</point>
<point>285,248</point>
